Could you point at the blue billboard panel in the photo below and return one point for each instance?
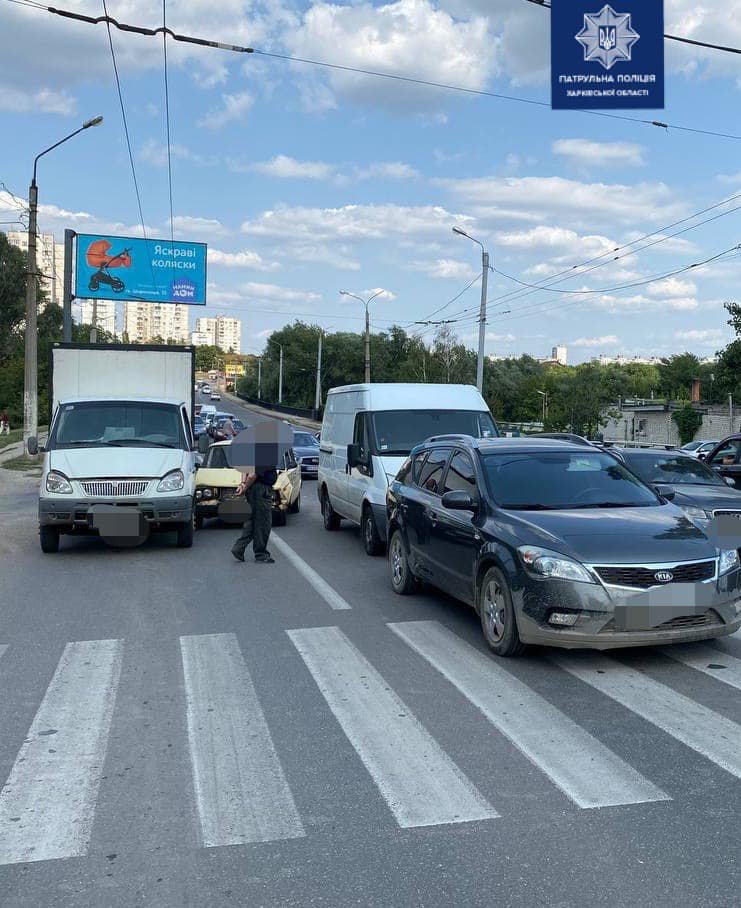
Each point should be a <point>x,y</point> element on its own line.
<point>131,268</point>
<point>607,57</point>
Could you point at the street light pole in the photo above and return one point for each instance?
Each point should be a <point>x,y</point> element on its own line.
<point>318,394</point>
<point>30,365</point>
<point>544,395</point>
<point>482,309</point>
<point>366,303</point>
<point>280,377</point>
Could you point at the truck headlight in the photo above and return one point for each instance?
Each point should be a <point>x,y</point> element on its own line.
<point>58,483</point>
<point>548,564</point>
<point>728,561</point>
<point>172,482</point>
<point>696,514</point>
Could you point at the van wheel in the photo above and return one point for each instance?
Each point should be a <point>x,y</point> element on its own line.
<point>296,506</point>
<point>402,579</point>
<point>185,535</point>
<point>371,538</point>
<point>497,614</point>
<point>49,539</point>
<point>329,515</point>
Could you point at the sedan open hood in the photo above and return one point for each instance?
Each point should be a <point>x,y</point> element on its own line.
<point>108,463</point>
<point>651,535</point>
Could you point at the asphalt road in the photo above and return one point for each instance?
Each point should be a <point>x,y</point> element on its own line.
<point>181,729</point>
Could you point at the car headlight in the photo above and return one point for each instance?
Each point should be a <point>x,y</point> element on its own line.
<point>552,564</point>
<point>695,514</point>
<point>728,561</point>
<point>58,483</point>
<point>171,482</point>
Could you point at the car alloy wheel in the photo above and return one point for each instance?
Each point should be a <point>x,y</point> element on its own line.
<point>494,611</point>
<point>497,614</point>
<point>402,579</point>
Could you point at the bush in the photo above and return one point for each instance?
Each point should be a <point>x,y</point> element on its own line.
<point>688,421</point>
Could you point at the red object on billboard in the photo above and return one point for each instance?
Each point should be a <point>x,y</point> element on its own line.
<point>97,256</point>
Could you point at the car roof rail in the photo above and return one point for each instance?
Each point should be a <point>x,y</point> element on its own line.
<point>469,439</point>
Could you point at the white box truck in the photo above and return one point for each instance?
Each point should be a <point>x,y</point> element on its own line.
<point>367,434</point>
<point>120,459</point>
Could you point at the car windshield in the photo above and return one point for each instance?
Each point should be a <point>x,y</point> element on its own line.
<point>556,481</point>
<point>304,440</point>
<point>692,446</point>
<point>674,469</point>
<point>398,431</point>
<point>118,424</point>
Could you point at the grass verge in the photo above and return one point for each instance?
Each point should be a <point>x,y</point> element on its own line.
<point>23,464</point>
<point>15,436</point>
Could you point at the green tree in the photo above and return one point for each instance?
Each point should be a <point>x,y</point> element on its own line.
<point>688,421</point>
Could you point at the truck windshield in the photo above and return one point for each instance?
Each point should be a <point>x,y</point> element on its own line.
<point>398,431</point>
<point>118,424</point>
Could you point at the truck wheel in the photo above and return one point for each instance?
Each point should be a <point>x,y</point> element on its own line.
<point>329,515</point>
<point>49,539</point>
<point>296,506</point>
<point>279,518</point>
<point>498,615</point>
<point>402,578</point>
<point>371,538</point>
<point>185,535</point>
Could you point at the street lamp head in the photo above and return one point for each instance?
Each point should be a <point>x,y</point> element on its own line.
<point>460,232</point>
<point>344,293</point>
<point>96,121</point>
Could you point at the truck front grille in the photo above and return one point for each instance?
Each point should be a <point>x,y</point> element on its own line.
<point>110,488</point>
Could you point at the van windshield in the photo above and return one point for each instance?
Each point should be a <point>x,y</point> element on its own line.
<point>398,431</point>
<point>117,424</point>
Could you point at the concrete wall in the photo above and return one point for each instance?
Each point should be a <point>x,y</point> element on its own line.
<point>660,428</point>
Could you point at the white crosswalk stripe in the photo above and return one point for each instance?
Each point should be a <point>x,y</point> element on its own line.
<point>48,802</point>
<point>241,791</point>
<point>708,660</point>
<point>419,782</point>
<point>327,592</point>
<point>3,647</point>
<point>710,734</point>
<point>585,770</point>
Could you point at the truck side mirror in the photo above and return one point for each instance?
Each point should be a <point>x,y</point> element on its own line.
<point>33,446</point>
<point>203,444</point>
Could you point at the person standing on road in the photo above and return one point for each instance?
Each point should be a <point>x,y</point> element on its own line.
<point>257,487</point>
<point>4,423</point>
<point>228,428</point>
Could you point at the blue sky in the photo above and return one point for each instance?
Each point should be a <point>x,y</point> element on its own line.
<point>304,181</point>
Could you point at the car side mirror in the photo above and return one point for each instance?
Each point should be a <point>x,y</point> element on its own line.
<point>665,493</point>
<point>702,456</point>
<point>459,501</point>
<point>203,444</point>
<point>33,446</point>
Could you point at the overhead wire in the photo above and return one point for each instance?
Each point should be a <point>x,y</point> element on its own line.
<point>241,49</point>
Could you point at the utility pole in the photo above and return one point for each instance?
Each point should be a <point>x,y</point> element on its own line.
<point>94,326</point>
<point>30,384</point>
<point>366,303</point>
<point>67,288</point>
<point>30,364</point>
<point>259,378</point>
<point>318,394</point>
<point>482,310</point>
<point>280,377</point>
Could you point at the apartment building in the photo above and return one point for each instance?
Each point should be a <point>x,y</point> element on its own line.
<point>221,331</point>
<point>145,322</point>
<point>106,314</point>
<point>49,262</point>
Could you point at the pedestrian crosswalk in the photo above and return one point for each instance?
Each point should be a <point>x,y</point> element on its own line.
<point>242,780</point>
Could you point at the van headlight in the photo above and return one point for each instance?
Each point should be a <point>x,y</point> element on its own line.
<point>548,564</point>
<point>58,483</point>
<point>728,561</point>
<point>172,482</point>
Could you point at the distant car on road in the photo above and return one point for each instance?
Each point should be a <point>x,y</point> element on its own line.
<point>699,448</point>
<point>215,395</point>
<point>699,491</point>
<point>199,427</point>
<point>556,544</point>
<point>306,448</point>
<point>205,389</point>
<point>216,482</point>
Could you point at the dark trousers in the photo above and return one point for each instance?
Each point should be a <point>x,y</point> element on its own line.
<point>256,529</point>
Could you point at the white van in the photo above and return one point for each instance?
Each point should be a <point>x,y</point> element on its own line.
<point>367,433</point>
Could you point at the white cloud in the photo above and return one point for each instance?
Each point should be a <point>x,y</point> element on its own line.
<point>732,178</point>
<point>199,228</point>
<point>42,100</point>
<point>606,340</point>
<point>353,222</point>
<point>336,256</point>
<point>233,107</point>
<point>245,259</point>
<point>274,292</point>
<point>541,198</point>
<point>707,336</point>
<point>641,303</point>
<point>600,154</point>
<point>407,37</point>
<point>284,167</point>
<point>155,153</point>
<point>557,238</point>
<point>446,268</point>
<point>391,170</point>
<point>672,287</point>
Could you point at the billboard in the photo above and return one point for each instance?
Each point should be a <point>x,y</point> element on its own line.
<point>234,369</point>
<point>132,268</point>
<point>607,57</point>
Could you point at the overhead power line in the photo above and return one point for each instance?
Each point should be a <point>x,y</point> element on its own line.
<point>241,49</point>
<point>706,44</point>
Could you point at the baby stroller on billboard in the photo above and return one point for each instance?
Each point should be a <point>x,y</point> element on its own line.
<point>97,256</point>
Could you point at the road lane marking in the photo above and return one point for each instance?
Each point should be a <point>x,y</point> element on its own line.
<point>330,595</point>
<point>419,782</point>
<point>700,728</point>
<point>706,659</point>
<point>3,647</point>
<point>241,791</point>
<point>48,803</point>
<point>586,771</point>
